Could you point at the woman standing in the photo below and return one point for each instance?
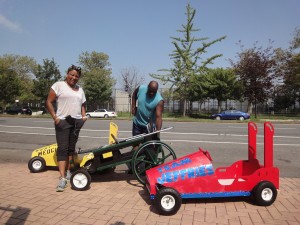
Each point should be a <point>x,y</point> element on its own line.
<point>69,117</point>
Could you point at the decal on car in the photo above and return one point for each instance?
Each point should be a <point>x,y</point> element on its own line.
<point>46,150</point>
<point>189,173</point>
<point>175,164</point>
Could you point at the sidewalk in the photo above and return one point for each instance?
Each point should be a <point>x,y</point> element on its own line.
<point>116,198</point>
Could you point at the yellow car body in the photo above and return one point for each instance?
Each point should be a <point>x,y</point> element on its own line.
<point>46,156</point>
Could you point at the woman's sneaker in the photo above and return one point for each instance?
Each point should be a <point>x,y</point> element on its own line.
<point>68,175</point>
<point>61,184</point>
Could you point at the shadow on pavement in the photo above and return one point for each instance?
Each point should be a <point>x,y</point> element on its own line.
<point>15,215</point>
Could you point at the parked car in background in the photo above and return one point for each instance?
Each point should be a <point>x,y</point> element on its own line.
<point>104,113</point>
<point>18,110</point>
<point>231,115</point>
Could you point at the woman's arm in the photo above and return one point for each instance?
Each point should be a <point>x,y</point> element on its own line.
<point>49,105</point>
<point>83,111</point>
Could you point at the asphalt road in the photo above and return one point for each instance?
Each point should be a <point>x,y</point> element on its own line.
<point>227,142</point>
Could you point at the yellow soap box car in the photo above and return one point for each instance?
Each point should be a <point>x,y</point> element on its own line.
<point>44,157</point>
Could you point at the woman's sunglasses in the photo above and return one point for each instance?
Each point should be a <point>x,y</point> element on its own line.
<point>77,68</point>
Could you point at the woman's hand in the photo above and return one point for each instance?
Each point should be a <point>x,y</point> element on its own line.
<point>56,120</point>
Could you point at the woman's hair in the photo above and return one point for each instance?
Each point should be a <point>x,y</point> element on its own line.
<point>77,68</point>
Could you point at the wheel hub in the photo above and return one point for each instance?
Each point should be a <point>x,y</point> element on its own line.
<point>36,165</point>
<point>168,202</point>
<point>267,194</point>
<point>80,180</point>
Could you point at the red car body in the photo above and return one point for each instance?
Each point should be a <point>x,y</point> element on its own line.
<point>193,176</point>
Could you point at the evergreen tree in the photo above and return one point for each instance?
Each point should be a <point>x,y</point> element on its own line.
<point>187,59</point>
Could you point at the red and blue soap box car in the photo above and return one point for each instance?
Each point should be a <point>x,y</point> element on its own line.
<point>193,176</point>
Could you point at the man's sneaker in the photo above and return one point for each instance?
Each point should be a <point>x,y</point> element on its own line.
<point>69,174</point>
<point>61,184</point>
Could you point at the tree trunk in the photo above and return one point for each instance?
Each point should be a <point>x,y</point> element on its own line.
<point>249,107</point>
<point>219,106</point>
<point>190,107</point>
<point>184,108</point>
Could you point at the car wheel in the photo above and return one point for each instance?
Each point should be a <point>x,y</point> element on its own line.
<point>241,118</point>
<point>264,193</point>
<point>218,118</point>
<point>80,180</point>
<point>36,164</point>
<point>88,115</point>
<point>149,155</point>
<point>167,201</point>
<point>106,116</point>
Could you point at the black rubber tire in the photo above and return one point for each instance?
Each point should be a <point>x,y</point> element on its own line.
<point>264,193</point>
<point>37,164</point>
<point>241,118</point>
<point>80,180</point>
<point>106,116</point>
<point>88,116</point>
<point>149,155</point>
<point>167,201</point>
<point>218,118</point>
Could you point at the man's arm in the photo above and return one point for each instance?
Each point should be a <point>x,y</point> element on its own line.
<point>133,101</point>
<point>159,112</point>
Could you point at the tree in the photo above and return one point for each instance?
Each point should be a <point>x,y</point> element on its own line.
<point>186,59</point>
<point>24,68</point>
<point>96,79</point>
<point>131,80</point>
<point>10,85</point>
<point>292,77</point>
<point>46,75</point>
<point>295,43</point>
<point>283,99</point>
<point>288,68</point>
<point>256,69</point>
<point>222,84</point>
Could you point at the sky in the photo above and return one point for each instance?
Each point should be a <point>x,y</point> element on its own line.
<point>137,33</point>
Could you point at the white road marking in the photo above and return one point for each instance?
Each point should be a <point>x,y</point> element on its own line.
<point>165,140</point>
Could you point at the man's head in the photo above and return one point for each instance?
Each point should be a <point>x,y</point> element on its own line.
<point>152,88</point>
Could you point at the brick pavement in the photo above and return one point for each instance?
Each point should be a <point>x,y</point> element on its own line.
<point>116,198</point>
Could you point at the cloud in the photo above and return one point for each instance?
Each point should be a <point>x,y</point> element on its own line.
<point>9,24</point>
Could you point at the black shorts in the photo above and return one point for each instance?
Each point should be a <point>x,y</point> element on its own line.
<point>67,137</point>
